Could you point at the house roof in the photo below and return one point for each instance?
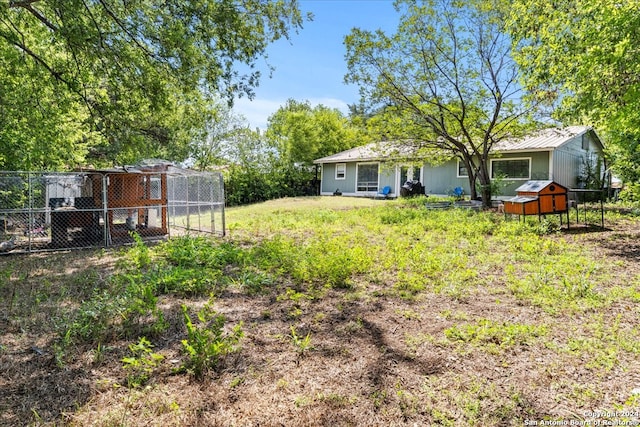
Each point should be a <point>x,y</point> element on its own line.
<point>542,140</point>
<point>370,152</point>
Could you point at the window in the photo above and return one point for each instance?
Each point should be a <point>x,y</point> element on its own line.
<point>341,170</point>
<point>409,173</point>
<point>155,191</point>
<point>367,177</point>
<point>462,170</point>
<point>511,168</point>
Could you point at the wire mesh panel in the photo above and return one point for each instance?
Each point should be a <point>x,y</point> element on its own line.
<point>50,211</point>
<point>44,211</point>
<point>196,202</point>
<point>136,202</point>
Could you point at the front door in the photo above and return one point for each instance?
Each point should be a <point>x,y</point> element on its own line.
<point>408,173</point>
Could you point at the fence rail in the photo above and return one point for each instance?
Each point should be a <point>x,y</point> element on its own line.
<point>41,211</point>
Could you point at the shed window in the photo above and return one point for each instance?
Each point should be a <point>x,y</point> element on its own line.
<point>341,170</point>
<point>367,177</point>
<point>511,168</point>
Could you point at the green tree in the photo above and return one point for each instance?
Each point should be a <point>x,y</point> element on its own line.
<point>118,80</point>
<point>582,58</point>
<point>302,133</point>
<point>223,140</point>
<point>445,81</point>
<point>257,172</point>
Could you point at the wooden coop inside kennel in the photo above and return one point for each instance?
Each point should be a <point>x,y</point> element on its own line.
<point>135,200</point>
<point>113,203</point>
<point>539,198</point>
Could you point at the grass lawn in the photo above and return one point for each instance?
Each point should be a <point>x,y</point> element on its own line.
<point>330,311</point>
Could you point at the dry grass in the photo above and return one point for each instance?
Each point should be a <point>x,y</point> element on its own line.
<point>473,347</point>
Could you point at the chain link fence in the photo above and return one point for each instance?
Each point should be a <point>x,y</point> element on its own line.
<point>42,211</point>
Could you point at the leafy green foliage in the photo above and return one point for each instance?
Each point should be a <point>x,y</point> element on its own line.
<point>579,56</point>
<point>302,133</point>
<point>207,343</point>
<point>141,364</point>
<point>112,81</point>
<point>255,172</point>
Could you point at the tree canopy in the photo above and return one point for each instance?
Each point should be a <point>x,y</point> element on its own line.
<point>112,80</point>
<point>582,57</point>
<point>302,133</point>
<point>445,79</point>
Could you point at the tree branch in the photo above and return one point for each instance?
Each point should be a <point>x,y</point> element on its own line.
<point>28,6</point>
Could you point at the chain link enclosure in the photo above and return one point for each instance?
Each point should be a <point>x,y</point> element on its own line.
<point>42,211</point>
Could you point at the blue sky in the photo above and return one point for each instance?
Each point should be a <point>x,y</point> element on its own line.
<point>311,66</point>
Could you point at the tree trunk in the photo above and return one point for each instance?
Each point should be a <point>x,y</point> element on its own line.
<point>485,185</point>
<point>472,185</point>
<point>485,189</point>
<point>486,194</point>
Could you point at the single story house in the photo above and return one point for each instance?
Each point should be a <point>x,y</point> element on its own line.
<point>549,154</point>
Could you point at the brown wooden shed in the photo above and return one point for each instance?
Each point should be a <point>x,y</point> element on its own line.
<point>538,198</point>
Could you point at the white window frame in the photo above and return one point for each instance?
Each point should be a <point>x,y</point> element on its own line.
<point>506,159</point>
<point>344,171</point>
<point>377,181</point>
<point>458,170</point>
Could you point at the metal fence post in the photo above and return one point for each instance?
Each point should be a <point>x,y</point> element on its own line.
<point>105,211</point>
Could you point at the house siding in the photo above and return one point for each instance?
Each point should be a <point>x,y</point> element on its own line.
<point>539,170</point>
<point>568,159</point>
<point>386,176</point>
<point>442,179</point>
<point>331,184</point>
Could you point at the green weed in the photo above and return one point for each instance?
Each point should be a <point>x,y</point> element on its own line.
<point>139,255</point>
<point>254,281</point>
<point>141,364</point>
<point>501,334</point>
<point>207,342</point>
<point>301,344</point>
<point>187,281</point>
<point>602,344</point>
<point>195,252</point>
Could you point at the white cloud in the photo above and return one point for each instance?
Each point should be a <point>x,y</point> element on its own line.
<point>258,111</point>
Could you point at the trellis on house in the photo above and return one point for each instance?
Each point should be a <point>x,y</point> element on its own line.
<point>92,207</point>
